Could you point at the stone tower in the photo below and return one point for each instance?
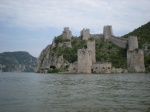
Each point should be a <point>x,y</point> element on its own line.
<point>132,43</point>
<point>135,56</point>
<point>107,32</point>
<point>91,47</point>
<point>67,34</point>
<point>84,61</point>
<point>135,61</point>
<point>85,33</point>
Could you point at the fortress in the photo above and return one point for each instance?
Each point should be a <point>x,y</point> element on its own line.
<point>86,62</point>
<point>86,57</point>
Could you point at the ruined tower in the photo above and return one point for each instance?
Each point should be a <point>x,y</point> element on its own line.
<point>107,32</point>
<point>91,47</point>
<point>132,43</point>
<point>67,34</point>
<point>84,61</point>
<point>135,56</point>
<point>85,33</point>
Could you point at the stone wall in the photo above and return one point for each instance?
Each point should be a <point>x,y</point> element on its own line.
<point>97,36</point>
<point>121,42</point>
<point>84,61</point>
<point>85,34</point>
<point>67,34</point>
<point>101,68</point>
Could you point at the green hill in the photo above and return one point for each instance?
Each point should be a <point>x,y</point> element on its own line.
<point>19,61</point>
<point>143,34</point>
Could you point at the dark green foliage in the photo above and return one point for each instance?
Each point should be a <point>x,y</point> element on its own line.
<point>70,54</point>
<point>143,34</point>
<point>59,39</point>
<point>56,70</point>
<point>13,59</point>
<point>109,52</point>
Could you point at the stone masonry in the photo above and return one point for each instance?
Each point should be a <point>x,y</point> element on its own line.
<point>67,34</point>
<point>107,32</point>
<point>84,61</point>
<point>101,68</point>
<point>85,33</point>
<point>91,47</point>
<point>132,43</point>
<point>135,61</point>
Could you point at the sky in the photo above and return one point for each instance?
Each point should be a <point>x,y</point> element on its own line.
<point>30,25</point>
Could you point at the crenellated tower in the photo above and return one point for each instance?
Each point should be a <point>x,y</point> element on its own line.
<point>107,32</point>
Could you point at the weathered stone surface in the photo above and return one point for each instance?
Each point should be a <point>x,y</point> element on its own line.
<point>67,34</point>
<point>107,32</point>
<point>47,60</point>
<point>101,67</point>
<point>85,33</point>
<point>84,61</point>
<point>91,47</point>
<point>135,61</point>
<point>132,43</point>
<point>73,67</point>
<point>121,42</point>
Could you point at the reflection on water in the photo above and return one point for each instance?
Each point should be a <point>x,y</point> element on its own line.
<point>22,92</point>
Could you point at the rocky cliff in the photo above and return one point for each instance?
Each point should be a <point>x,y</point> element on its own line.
<point>17,62</point>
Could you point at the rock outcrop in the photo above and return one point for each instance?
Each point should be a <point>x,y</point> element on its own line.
<point>49,60</point>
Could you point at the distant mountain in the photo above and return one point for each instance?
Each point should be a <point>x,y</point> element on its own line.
<point>19,61</point>
<point>143,34</point>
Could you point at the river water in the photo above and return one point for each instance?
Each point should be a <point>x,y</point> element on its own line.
<point>31,92</point>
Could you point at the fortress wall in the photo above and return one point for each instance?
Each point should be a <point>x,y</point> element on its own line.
<point>119,42</point>
<point>91,47</point>
<point>84,61</point>
<point>132,43</point>
<point>102,67</point>
<point>97,36</point>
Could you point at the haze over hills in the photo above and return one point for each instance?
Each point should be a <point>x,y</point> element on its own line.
<point>19,61</point>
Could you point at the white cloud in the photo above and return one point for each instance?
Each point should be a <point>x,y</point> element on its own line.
<point>77,14</point>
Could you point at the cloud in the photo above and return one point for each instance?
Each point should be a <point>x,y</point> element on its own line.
<point>24,23</point>
<point>77,14</point>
